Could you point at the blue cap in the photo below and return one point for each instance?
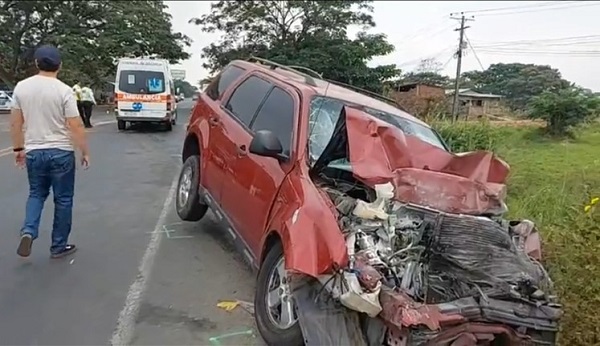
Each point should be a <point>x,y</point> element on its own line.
<point>47,54</point>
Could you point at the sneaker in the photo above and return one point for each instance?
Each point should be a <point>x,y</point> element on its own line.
<point>24,249</point>
<point>69,249</point>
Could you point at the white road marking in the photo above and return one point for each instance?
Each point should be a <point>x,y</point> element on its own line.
<point>100,123</point>
<point>123,333</point>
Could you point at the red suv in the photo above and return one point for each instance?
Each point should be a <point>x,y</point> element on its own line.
<point>364,228</point>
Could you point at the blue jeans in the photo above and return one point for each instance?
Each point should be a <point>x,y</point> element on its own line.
<point>50,168</point>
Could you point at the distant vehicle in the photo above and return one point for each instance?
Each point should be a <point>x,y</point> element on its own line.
<point>145,92</point>
<point>5,100</point>
<point>181,97</point>
<point>195,96</point>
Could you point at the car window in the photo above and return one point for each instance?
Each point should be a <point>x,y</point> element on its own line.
<point>218,86</point>
<point>277,115</point>
<point>325,111</point>
<point>247,97</point>
<point>142,82</point>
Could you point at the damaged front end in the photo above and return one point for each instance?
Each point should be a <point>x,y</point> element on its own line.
<point>425,267</point>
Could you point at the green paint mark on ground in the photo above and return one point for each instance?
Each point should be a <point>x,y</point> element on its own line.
<point>215,340</point>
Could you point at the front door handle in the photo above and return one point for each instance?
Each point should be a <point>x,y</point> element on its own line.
<point>214,121</point>
<point>241,150</point>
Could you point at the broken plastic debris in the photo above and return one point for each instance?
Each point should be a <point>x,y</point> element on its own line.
<point>375,210</point>
<point>356,299</point>
<point>230,305</point>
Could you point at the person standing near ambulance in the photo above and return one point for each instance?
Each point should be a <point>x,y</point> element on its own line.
<point>48,109</point>
<point>87,103</point>
<point>77,94</point>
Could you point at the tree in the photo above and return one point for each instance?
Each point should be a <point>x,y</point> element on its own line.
<point>182,86</point>
<point>306,33</point>
<point>431,78</point>
<point>563,109</point>
<point>90,34</point>
<point>519,83</point>
<point>429,65</point>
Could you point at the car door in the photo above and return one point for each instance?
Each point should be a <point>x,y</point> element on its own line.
<point>213,129</point>
<point>253,181</point>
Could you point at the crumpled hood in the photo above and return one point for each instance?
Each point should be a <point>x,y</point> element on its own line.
<point>423,174</point>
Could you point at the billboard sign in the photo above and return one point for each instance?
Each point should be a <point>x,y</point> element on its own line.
<point>178,74</point>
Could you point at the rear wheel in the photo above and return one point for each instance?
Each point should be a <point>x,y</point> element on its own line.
<point>169,126</point>
<point>187,203</point>
<point>275,310</point>
<point>121,125</point>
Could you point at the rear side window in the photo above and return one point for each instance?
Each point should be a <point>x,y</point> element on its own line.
<point>247,97</point>
<point>218,86</point>
<point>277,116</point>
<point>142,82</point>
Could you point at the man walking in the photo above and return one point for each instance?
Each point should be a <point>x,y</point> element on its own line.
<point>87,102</point>
<point>49,109</point>
<point>77,94</point>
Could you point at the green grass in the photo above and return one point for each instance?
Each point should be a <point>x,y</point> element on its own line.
<point>551,181</point>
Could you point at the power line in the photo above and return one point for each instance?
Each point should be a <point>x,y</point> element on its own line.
<point>538,5</point>
<point>474,53</point>
<point>563,7</point>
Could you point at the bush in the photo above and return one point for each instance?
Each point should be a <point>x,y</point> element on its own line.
<point>564,109</point>
<point>466,136</point>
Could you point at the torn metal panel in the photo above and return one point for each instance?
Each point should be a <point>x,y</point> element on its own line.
<point>422,174</point>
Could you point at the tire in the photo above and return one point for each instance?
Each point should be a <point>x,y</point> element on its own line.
<point>121,125</point>
<point>174,120</point>
<point>169,126</point>
<point>190,208</point>
<point>270,332</point>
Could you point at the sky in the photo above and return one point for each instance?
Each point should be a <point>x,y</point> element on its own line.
<point>562,34</point>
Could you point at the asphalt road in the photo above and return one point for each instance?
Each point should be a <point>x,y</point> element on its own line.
<point>140,275</point>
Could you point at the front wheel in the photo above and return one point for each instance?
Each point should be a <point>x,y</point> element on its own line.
<point>275,311</point>
<point>187,203</point>
<point>121,125</point>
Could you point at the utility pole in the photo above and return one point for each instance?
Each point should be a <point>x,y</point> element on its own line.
<point>459,54</point>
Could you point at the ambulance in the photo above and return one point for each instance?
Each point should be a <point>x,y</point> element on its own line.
<point>145,92</point>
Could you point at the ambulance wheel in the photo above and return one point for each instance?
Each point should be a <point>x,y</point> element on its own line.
<point>121,125</point>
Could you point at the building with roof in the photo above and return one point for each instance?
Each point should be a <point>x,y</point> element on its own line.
<point>420,99</point>
<point>473,104</point>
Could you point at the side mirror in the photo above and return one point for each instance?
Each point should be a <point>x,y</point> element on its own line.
<point>265,143</point>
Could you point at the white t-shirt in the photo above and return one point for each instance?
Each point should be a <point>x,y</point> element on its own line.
<point>46,104</point>
<point>87,95</point>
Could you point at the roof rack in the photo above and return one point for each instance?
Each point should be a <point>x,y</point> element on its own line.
<point>273,65</point>
<point>312,73</point>
<point>365,92</point>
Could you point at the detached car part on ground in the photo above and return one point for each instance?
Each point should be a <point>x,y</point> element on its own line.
<point>429,255</point>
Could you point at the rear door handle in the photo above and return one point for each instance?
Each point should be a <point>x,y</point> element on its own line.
<point>214,121</point>
<point>241,150</point>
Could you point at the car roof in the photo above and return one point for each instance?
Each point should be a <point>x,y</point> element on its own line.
<point>325,88</point>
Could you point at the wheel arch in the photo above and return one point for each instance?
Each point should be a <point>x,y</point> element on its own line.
<point>191,146</point>
<point>272,239</point>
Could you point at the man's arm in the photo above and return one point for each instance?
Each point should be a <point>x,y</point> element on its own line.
<point>16,124</point>
<point>75,125</point>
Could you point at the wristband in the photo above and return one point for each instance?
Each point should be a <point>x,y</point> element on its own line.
<point>16,150</point>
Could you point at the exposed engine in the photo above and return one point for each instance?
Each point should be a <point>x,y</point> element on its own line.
<point>439,279</point>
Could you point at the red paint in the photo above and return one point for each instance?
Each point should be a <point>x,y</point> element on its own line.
<point>422,173</point>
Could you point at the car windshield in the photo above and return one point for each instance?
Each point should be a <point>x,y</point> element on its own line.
<point>325,111</point>
<point>142,82</point>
